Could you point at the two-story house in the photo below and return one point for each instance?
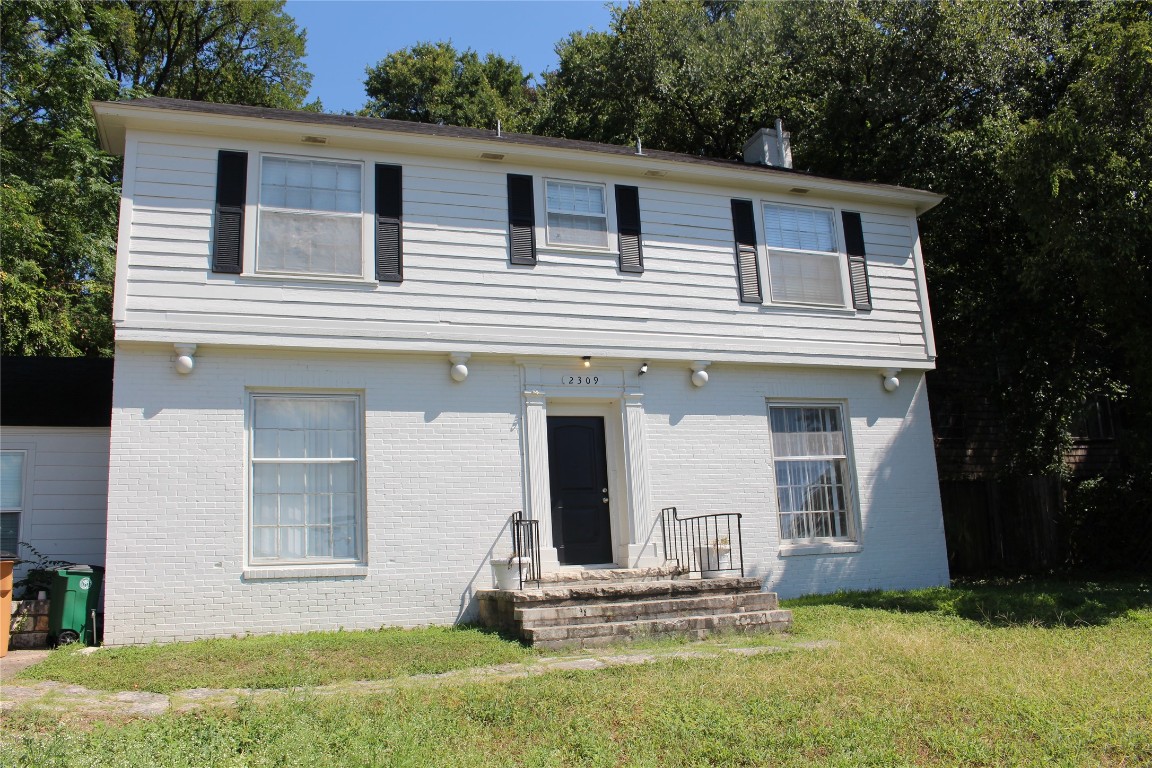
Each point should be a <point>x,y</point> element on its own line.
<point>349,349</point>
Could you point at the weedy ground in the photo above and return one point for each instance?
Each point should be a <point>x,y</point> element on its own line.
<point>990,674</point>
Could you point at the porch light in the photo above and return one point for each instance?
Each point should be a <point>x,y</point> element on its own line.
<point>891,383</point>
<point>185,360</point>
<point>587,361</point>
<point>699,375</point>
<point>643,369</point>
<point>459,370</point>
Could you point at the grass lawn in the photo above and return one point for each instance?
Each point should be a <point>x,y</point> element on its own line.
<point>1056,673</point>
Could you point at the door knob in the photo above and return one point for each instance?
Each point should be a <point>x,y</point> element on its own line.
<point>603,490</point>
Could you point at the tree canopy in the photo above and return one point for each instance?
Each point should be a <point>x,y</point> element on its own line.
<point>433,82</point>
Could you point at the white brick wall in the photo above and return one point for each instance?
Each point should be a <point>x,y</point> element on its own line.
<point>443,474</point>
<point>710,451</point>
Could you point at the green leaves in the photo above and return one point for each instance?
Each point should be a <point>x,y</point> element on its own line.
<point>693,77</point>
<point>433,82</point>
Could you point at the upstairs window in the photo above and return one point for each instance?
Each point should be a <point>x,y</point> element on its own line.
<point>577,214</point>
<point>812,482</point>
<point>803,255</point>
<point>310,217</point>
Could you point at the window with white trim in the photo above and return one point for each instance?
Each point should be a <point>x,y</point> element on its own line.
<point>11,498</point>
<point>306,478</point>
<point>310,217</point>
<point>804,263</point>
<point>577,214</point>
<point>813,485</point>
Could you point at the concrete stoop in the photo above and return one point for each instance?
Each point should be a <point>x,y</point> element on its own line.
<point>619,606</point>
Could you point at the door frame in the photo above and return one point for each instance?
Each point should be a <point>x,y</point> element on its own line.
<point>616,397</point>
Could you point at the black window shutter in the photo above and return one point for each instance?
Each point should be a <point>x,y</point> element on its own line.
<point>389,231</point>
<point>857,264</point>
<point>228,232</point>
<point>747,264</point>
<point>521,219</point>
<point>628,228</point>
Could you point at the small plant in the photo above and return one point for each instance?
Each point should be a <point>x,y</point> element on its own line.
<point>38,578</point>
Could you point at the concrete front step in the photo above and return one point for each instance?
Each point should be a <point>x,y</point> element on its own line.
<point>644,590</point>
<point>634,610</point>
<point>606,612</point>
<point>698,627</point>
<point>571,577</point>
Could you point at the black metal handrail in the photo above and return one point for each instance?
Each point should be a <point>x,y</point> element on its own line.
<point>526,546</point>
<point>704,544</point>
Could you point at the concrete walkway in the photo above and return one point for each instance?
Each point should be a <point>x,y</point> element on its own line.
<point>63,697</point>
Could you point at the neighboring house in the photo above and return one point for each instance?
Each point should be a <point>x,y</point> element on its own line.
<point>54,427</point>
<point>349,349</point>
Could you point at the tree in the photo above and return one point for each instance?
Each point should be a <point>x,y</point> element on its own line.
<point>59,204</point>
<point>1085,190</point>
<point>233,52</point>
<point>59,192</point>
<point>695,77</point>
<point>433,82</point>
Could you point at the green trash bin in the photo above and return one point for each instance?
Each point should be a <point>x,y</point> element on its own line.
<point>75,595</point>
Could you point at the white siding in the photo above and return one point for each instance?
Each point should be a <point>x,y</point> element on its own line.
<point>66,496</point>
<point>460,291</point>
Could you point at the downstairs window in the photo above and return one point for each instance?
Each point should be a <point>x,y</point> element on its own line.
<point>812,477</point>
<point>306,478</point>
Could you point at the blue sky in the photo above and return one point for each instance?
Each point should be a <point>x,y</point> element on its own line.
<point>346,36</point>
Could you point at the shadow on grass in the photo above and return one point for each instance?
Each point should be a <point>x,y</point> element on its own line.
<point>1009,602</point>
<point>503,634</point>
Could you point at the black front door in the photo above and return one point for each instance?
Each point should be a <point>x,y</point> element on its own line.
<point>581,529</point>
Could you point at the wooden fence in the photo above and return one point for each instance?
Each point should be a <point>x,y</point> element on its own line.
<point>1003,525</point>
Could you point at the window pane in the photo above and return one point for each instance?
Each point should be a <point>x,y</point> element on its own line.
<point>309,243</point>
<point>292,543</point>
<point>292,508</point>
<point>264,542</point>
<point>805,278</point>
<point>805,229</point>
<point>341,414</point>
<point>342,478</point>
<point>319,542</point>
<point>319,509</point>
<point>342,443</point>
<point>291,477</point>
<point>264,509</point>
<point>310,185</point>
<point>290,443</point>
<point>344,541</point>
<point>12,480</point>
<point>319,443</point>
<point>343,509</point>
<point>567,197</point>
<point>264,478</point>
<point>264,444</point>
<point>577,230</point>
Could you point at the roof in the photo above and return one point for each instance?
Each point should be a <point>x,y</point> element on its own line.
<point>111,117</point>
<point>55,392</point>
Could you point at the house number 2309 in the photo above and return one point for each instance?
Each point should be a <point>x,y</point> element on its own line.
<point>583,380</point>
